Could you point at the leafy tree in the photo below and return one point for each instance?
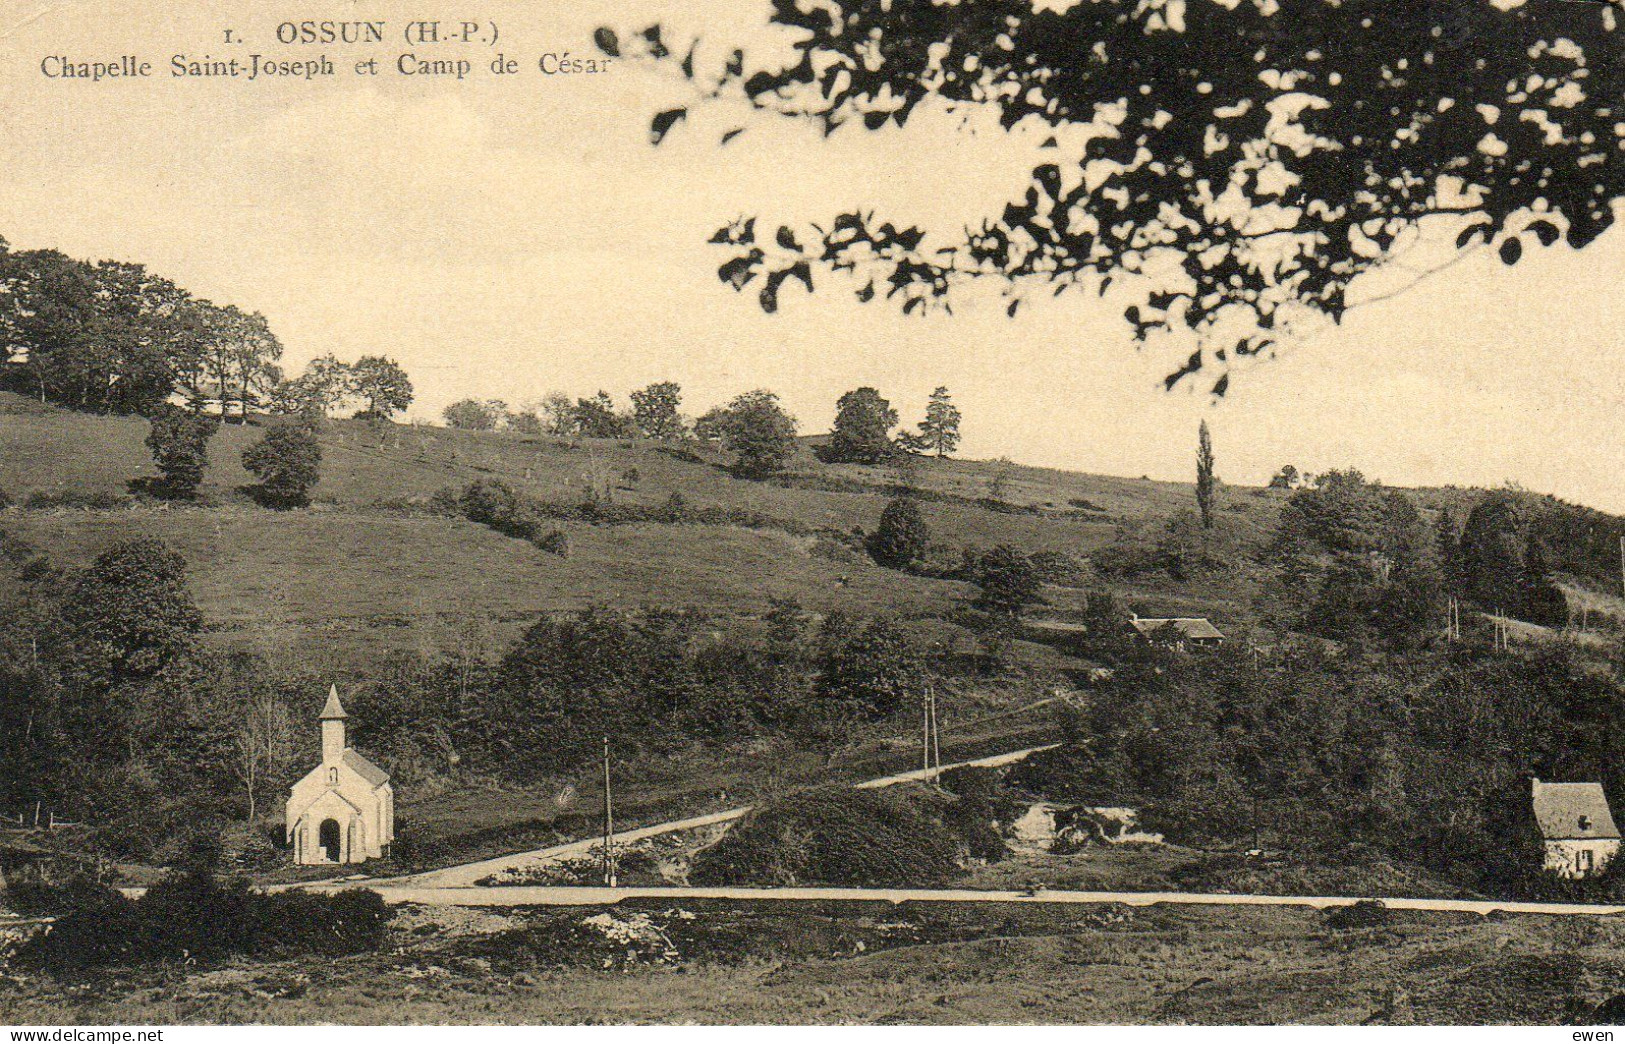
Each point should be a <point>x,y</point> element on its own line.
<point>1205,483</point>
<point>1362,565</point>
<point>383,383</point>
<point>1009,582</point>
<point>1446,548</point>
<point>939,432</point>
<point>1406,539</point>
<point>287,460</point>
<point>179,442</point>
<point>1107,638</point>
<point>115,337</point>
<point>471,415</point>
<point>324,387</point>
<point>1410,605</point>
<point>595,418</point>
<point>233,358</point>
<point>1184,549</point>
<point>104,337</point>
<point>525,422</point>
<point>131,610</point>
<point>863,424</point>
<point>712,425</point>
<point>755,428</point>
<point>873,670</point>
<point>1490,554</point>
<point>559,413</point>
<point>1340,512</point>
<point>1543,601</point>
<point>1497,119</point>
<point>911,442</point>
<point>655,410</point>
<point>257,728</point>
<point>902,537</point>
<point>1286,478</point>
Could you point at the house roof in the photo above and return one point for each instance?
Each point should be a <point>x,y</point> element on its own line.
<point>1573,811</point>
<point>333,710</point>
<point>366,769</point>
<point>1064,626</point>
<point>1196,627</point>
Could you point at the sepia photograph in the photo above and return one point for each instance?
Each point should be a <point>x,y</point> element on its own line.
<point>812,513</point>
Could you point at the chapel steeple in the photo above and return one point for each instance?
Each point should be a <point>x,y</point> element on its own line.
<point>333,717</point>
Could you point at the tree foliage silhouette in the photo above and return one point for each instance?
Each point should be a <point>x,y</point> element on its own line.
<point>1234,165</point>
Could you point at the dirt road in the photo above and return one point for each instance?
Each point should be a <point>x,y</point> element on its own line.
<point>468,873</point>
<point>598,896</point>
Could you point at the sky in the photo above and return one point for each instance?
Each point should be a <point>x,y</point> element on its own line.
<point>507,237</point>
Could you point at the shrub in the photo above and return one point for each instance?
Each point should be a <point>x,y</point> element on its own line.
<point>191,916</point>
<point>446,501</point>
<point>1061,569</point>
<point>490,503</point>
<point>940,562</point>
<point>902,536</point>
<point>179,442</point>
<point>493,503</point>
<point>555,542</point>
<point>1008,580</point>
<point>1367,913</point>
<point>287,461</point>
<point>5,501</point>
<point>39,899</point>
<point>839,836</point>
<point>832,549</point>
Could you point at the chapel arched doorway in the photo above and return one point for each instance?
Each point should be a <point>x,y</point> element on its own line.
<point>328,837</point>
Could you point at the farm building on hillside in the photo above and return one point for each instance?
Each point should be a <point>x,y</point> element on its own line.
<point>1577,828</point>
<point>1178,631</point>
<point>343,811</point>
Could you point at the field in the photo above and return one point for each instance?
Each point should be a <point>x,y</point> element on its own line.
<point>918,963</point>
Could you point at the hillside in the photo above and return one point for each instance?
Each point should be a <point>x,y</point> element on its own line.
<point>367,568</point>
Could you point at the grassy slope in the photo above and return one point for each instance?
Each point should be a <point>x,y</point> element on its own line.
<point>336,584</point>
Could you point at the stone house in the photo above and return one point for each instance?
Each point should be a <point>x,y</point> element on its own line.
<point>1576,828</point>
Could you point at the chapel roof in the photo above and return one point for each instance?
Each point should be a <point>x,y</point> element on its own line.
<point>367,770</point>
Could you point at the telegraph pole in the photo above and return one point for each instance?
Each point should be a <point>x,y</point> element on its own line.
<point>936,735</point>
<point>925,733</point>
<point>930,740</point>
<point>609,823</point>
